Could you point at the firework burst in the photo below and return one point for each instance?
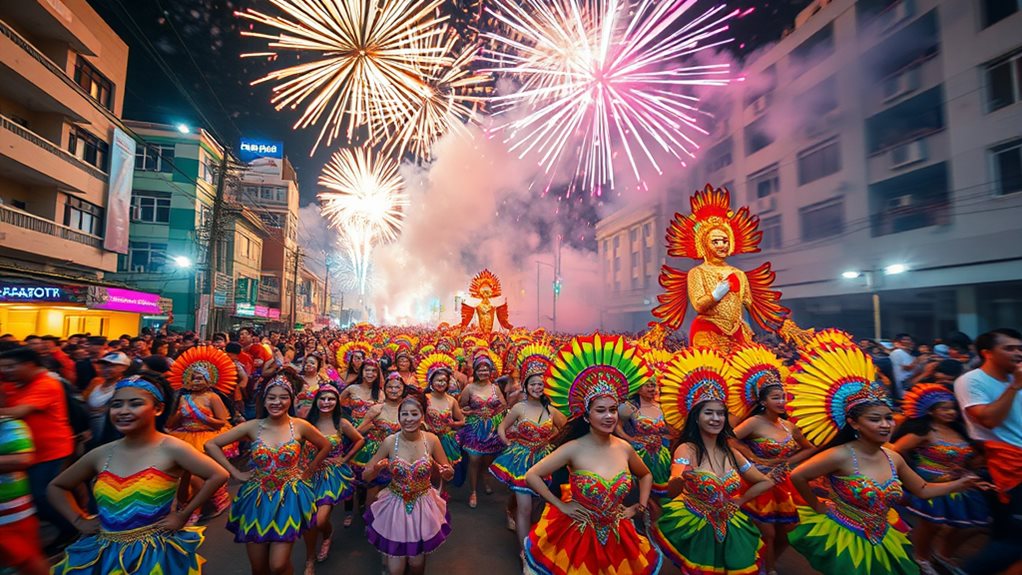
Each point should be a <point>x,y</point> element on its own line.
<point>367,60</point>
<point>363,200</point>
<point>595,77</point>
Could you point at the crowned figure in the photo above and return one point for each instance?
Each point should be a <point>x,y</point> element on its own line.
<point>485,301</point>
<point>719,292</point>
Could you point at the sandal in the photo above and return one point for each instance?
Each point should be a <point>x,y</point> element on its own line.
<point>473,501</point>
<point>324,550</point>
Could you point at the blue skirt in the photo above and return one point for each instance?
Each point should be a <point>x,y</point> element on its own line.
<point>260,515</point>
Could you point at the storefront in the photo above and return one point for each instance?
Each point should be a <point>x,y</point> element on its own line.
<point>29,307</point>
<point>250,315</point>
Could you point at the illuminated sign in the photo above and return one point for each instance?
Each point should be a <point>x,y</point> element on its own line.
<point>244,310</point>
<point>118,299</point>
<point>262,311</point>
<point>34,292</point>
<point>273,313</point>
<point>265,157</point>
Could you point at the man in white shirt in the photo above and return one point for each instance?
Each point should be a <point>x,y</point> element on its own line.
<point>991,400</point>
<point>903,362</point>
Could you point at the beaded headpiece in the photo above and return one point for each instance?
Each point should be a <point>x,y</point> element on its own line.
<point>753,369</point>
<point>280,381</point>
<point>534,359</point>
<point>693,376</point>
<point>434,363</point>
<point>919,400</point>
<point>137,382</point>
<point>215,365</point>
<point>590,367</point>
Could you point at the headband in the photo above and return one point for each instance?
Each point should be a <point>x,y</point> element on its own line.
<point>280,381</point>
<point>329,388</point>
<point>139,383</point>
<point>203,371</point>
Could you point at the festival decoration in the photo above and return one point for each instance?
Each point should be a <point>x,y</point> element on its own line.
<point>753,369</point>
<point>719,292</point>
<point>346,349</point>
<point>215,364</point>
<point>486,302</point>
<point>429,365</point>
<point>534,359</point>
<point>590,366</point>
<point>693,376</point>
<point>919,400</point>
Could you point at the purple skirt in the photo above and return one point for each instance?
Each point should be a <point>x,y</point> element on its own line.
<point>402,530</point>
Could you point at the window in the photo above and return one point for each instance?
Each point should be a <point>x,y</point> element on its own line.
<point>96,84</point>
<point>819,99</point>
<point>83,216</point>
<point>207,170</point>
<point>996,10</point>
<point>819,161</point>
<point>292,227</point>
<point>146,257</point>
<point>764,183</point>
<point>719,156</point>
<point>88,148</point>
<point>814,49</point>
<point>823,220</point>
<point>1008,168</point>
<point>155,158</point>
<point>757,137</point>
<point>275,221</point>
<point>150,207</point>
<point>1004,81</point>
<point>771,233</point>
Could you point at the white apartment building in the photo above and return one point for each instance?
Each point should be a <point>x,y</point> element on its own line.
<point>877,133</point>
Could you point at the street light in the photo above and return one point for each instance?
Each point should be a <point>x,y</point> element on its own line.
<point>184,129</point>
<point>850,275</point>
<point>871,277</point>
<point>894,269</point>
<point>182,262</point>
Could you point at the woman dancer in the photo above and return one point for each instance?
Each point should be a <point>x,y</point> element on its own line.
<point>642,424</point>
<point>313,375</point>
<point>589,531</point>
<point>483,406</point>
<point>405,367</point>
<point>354,366</point>
<point>275,504</point>
<point>835,396</point>
<point>934,442</point>
<point>333,481</point>
<point>757,398</point>
<point>136,478</point>
<point>409,519</point>
<point>380,421</point>
<point>359,397</point>
<point>703,529</point>
<point>443,415</point>
<point>528,430</point>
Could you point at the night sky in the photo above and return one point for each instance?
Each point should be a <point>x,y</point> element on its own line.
<point>187,35</point>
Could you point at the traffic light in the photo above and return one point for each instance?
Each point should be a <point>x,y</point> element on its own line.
<point>557,286</point>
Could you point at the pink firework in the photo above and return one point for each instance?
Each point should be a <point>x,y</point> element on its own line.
<point>596,79</point>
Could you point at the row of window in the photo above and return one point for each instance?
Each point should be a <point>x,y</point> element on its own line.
<point>277,194</point>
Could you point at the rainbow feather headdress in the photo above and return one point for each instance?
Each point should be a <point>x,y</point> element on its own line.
<point>346,350</point>
<point>693,376</point>
<point>826,385</point>
<point>209,361</point>
<point>753,369</point>
<point>432,363</point>
<point>919,400</point>
<point>593,366</point>
<point>534,359</point>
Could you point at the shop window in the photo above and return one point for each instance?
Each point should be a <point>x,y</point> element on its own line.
<point>83,216</point>
<point>1007,164</point>
<point>88,148</point>
<point>823,220</point>
<point>819,161</point>
<point>150,207</point>
<point>97,85</point>
<point>84,324</point>
<point>1004,81</point>
<point>155,158</point>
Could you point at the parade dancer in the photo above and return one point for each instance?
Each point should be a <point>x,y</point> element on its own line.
<point>443,415</point>
<point>703,529</point>
<point>203,377</point>
<point>483,406</point>
<point>409,519</point>
<point>137,530</point>
<point>838,403</point>
<point>380,422</point>
<point>333,482</point>
<point>642,424</point>
<point>405,367</point>
<point>934,442</point>
<point>313,376</point>
<point>359,397</point>
<point>756,398</point>
<point>275,503</point>
<point>588,531</point>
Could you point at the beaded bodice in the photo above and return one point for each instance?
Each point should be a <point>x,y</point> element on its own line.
<point>409,479</point>
<point>710,497</point>
<point>133,501</point>
<point>485,408</point>
<point>439,420</point>
<point>309,451</point>
<point>648,431</point>
<point>274,467</point>
<point>943,460</point>
<point>193,415</point>
<point>359,408</point>
<point>534,436</point>
<point>770,448</point>
<point>861,503</point>
<point>602,498</point>
<point>382,428</point>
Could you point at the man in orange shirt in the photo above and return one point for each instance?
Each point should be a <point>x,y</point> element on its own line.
<point>38,399</point>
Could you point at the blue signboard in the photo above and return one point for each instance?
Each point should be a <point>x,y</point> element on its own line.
<point>265,157</point>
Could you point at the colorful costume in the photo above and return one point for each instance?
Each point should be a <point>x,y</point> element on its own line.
<point>855,534</point>
<point>605,543</point>
<point>479,435</point>
<point>486,302</point>
<point>276,504</point>
<point>439,422</point>
<point>530,442</point>
<point>129,541</point>
<point>702,530</point>
<point>778,504</point>
<point>380,430</point>
<point>409,518</point>
<point>331,483</point>
<point>650,434</point>
<point>359,408</point>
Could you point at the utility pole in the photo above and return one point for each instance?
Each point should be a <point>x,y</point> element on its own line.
<point>557,277</point>
<point>214,234</point>
<point>294,287</point>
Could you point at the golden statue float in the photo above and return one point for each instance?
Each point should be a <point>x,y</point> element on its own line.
<point>719,292</point>
<point>485,302</point>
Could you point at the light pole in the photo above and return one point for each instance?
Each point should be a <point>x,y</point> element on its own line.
<point>871,276</point>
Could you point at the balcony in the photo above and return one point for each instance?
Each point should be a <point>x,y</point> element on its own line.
<point>29,158</point>
<point>40,239</point>
<point>52,21</point>
<point>27,221</point>
<point>911,216</point>
<point>915,152</point>
<point>917,199</point>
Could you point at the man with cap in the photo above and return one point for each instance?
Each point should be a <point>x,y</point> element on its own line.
<point>100,391</point>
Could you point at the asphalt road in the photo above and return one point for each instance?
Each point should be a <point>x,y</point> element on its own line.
<point>479,544</point>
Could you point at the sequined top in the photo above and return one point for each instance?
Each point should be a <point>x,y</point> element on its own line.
<point>409,480</point>
<point>133,501</point>
<point>309,450</point>
<point>713,498</point>
<point>439,420</point>
<point>381,429</point>
<point>193,416</point>
<point>359,408</point>
<point>485,408</point>
<point>770,448</point>
<point>274,468</point>
<point>602,498</point>
<point>534,436</point>
<point>861,503</point>
<point>648,432</point>
<point>942,460</point>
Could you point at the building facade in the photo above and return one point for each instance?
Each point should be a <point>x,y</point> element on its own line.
<point>631,251</point>
<point>65,173</point>
<point>877,137</point>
